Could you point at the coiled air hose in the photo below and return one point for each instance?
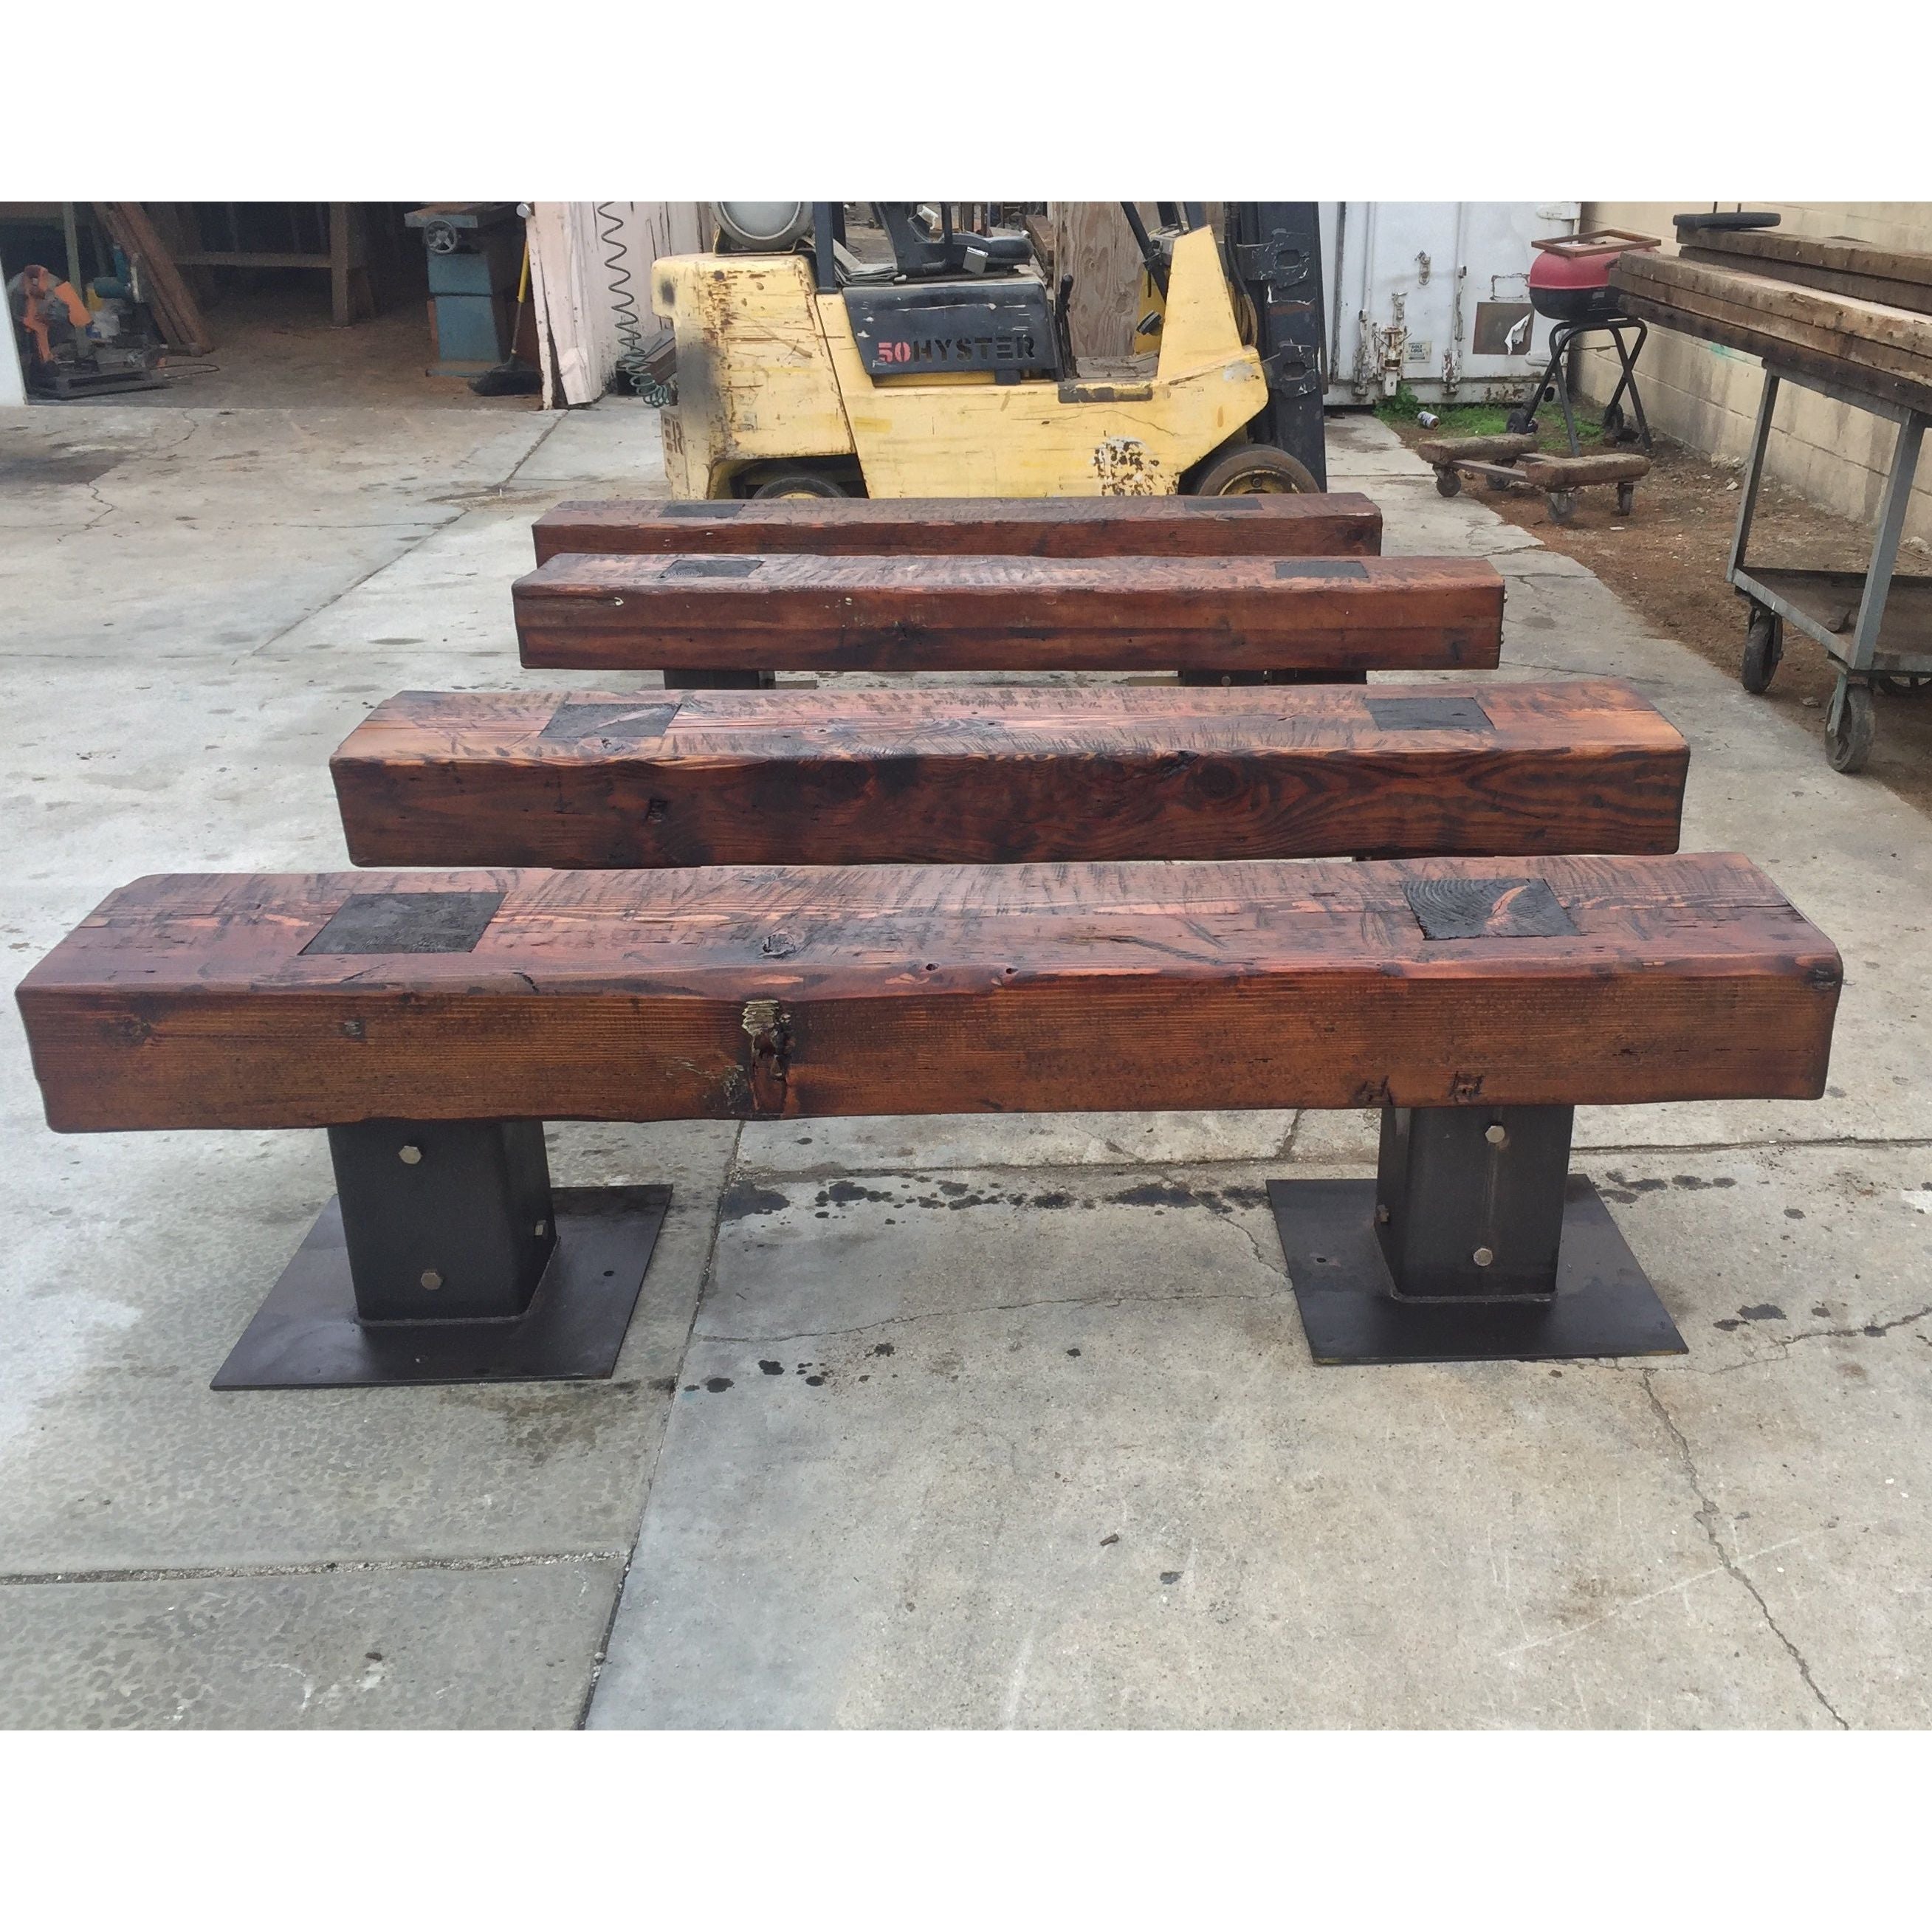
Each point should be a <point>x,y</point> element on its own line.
<point>634,363</point>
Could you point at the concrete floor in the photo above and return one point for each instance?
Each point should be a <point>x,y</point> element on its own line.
<point>921,1422</point>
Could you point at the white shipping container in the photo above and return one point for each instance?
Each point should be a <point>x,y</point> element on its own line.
<point>1434,294</point>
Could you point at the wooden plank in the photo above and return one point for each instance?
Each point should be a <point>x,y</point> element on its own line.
<point>1834,254</point>
<point>996,775</point>
<point>1740,328</point>
<point>908,613</point>
<point>1092,244</point>
<point>1441,451</point>
<point>191,1001</point>
<point>1576,473</point>
<point>1916,296</point>
<point>1800,362</point>
<point>1342,524</point>
<point>127,222</point>
<point>226,258</point>
<point>341,309</point>
<point>1867,334</point>
<point>1869,323</point>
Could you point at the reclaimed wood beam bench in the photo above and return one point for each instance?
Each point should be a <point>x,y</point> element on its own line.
<point>714,622</point>
<point>996,775</point>
<point>1344,524</point>
<point>430,1022</point>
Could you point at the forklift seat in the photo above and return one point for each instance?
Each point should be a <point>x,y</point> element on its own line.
<point>1003,248</point>
<point>921,255</point>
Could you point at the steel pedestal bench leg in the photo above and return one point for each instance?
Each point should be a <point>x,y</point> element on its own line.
<point>720,680</point>
<point>1212,679</point>
<point>1474,1243</point>
<point>447,1256</point>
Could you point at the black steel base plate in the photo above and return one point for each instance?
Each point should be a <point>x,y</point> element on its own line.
<point>306,1334</point>
<point>1604,1304</point>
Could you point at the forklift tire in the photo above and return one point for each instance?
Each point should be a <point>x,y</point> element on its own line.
<point>1255,470</point>
<point>797,483</point>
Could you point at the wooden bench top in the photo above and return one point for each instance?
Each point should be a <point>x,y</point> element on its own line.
<point>242,1000</point>
<point>1575,472</point>
<point>905,613</point>
<point>1439,450</point>
<point>997,774</point>
<point>1344,524</point>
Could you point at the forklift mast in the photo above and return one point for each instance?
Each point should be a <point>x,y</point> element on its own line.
<point>1275,253</point>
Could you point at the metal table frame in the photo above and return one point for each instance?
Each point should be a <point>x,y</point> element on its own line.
<point>1848,723</point>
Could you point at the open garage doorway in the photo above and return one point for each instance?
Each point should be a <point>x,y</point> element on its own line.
<point>266,304</point>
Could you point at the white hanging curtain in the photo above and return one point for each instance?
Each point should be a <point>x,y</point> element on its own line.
<point>590,281</point>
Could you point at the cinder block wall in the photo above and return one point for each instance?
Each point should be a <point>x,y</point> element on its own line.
<point>1707,397</point>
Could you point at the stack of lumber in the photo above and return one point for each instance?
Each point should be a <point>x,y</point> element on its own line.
<point>1898,278</point>
<point>1731,289</point>
<point>162,286</point>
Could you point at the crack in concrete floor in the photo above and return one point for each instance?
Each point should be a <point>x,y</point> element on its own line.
<point>1707,1520</point>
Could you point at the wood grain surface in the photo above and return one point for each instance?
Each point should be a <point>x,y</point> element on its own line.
<point>1893,341</point>
<point>909,613</point>
<point>1341,524</point>
<point>1779,353</point>
<point>1842,252</point>
<point>1441,450</point>
<point>1001,774</point>
<point>1898,278</point>
<point>1576,473</point>
<point>189,1001</point>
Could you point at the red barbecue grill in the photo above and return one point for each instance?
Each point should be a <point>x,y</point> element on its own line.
<point>1570,283</point>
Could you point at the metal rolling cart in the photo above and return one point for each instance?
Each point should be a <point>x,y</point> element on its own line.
<point>1888,616</point>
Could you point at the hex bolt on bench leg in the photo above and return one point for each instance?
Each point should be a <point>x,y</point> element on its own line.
<point>1474,1243</point>
<point>447,1256</point>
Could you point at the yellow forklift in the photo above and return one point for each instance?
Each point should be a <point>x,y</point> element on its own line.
<point>793,367</point>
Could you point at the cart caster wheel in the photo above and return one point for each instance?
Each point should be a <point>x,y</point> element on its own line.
<point>1626,499</point>
<point>1764,646</point>
<point>1562,505</point>
<point>1522,422</point>
<point>1614,430</point>
<point>1448,483</point>
<point>1848,727</point>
